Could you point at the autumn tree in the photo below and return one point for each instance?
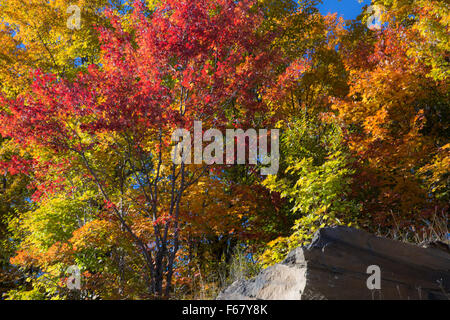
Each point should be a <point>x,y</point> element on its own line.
<point>428,23</point>
<point>13,199</point>
<point>396,114</point>
<point>50,37</point>
<point>315,169</point>
<point>161,71</point>
<point>53,36</point>
<point>87,177</point>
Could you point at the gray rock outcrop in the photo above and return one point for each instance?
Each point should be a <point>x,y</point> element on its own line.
<point>335,266</point>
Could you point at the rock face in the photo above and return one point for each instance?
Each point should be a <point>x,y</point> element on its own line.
<point>334,266</point>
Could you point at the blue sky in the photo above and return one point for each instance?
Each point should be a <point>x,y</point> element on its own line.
<point>349,9</point>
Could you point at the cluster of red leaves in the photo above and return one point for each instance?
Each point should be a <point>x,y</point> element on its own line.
<point>16,165</point>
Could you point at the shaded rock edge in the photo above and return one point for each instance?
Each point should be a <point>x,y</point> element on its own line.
<point>334,267</point>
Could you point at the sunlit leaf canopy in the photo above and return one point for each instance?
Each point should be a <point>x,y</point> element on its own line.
<point>86,174</point>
